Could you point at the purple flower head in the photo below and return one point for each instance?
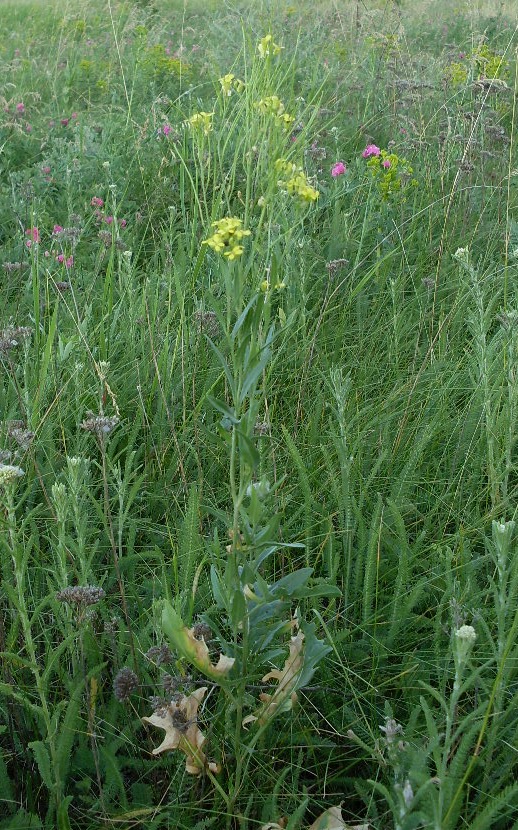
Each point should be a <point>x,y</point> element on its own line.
<point>371,150</point>
<point>338,169</point>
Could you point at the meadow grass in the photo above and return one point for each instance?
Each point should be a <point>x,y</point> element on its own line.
<point>258,477</point>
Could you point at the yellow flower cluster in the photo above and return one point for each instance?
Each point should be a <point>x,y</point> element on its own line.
<point>272,105</point>
<point>201,121</point>
<point>294,181</point>
<point>229,83</point>
<point>456,73</point>
<point>392,173</point>
<point>227,236</point>
<point>267,47</point>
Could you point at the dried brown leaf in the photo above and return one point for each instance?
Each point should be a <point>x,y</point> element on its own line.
<point>180,721</point>
<point>284,696</point>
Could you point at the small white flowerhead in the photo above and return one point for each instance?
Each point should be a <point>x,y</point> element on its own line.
<point>464,640</point>
<point>462,254</point>
<point>466,634</point>
<point>9,473</point>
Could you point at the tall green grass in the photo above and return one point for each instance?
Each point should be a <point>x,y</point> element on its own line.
<point>303,458</point>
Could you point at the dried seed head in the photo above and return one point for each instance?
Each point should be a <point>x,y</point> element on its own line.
<point>261,427</point>
<point>336,265</point>
<point>171,684</point>
<point>72,234</point>
<point>12,336</point>
<point>100,424</point>
<point>23,437</point>
<point>160,654</point>
<point>206,322</point>
<point>179,720</point>
<point>159,705</point>
<point>201,631</point>
<point>124,684</point>
<point>11,267</point>
<point>112,626</point>
<point>81,595</point>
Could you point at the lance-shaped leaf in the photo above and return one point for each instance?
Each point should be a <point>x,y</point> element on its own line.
<point>179,720</point>
<point>194,650</point>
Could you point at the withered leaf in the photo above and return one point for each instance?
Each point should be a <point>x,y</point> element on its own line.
<point>195,651</point>
<point>179,720</point>
<point>332,820</point>
<point>284,695</point>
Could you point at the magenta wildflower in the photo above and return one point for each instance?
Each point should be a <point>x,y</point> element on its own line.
<point>386,163</point>
<point>96,201</point>
<point>33,234</point>
<point>338,169</point>
<point>371,150</point>
<point>108,220</point>
<point>20,108</point>
<point>56,229</point>
<point>45,169</point>
<point>60,257</point>
<point>166,129</point>
<point>123,223</point>
<point>69,262</point>
<point>64,122</point>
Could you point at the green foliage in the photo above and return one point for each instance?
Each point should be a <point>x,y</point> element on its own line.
<point>258,421</point>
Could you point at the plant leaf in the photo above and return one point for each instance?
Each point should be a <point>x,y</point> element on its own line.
<point>195,651</point>
<point>179,720</point>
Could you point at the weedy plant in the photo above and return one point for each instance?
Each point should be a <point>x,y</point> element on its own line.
<point>258,417</point>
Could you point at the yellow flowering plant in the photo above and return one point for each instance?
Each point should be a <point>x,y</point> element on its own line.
<point>201,121</point>
<point>229,84</point>
<point>227,237</point>
<point>272,105</point>
<point>266,47</point>
<point>294,181</point>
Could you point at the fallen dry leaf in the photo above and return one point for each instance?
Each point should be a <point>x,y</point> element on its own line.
<point>179,719</point>
<point>332,820</point>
